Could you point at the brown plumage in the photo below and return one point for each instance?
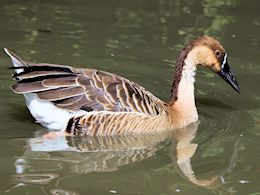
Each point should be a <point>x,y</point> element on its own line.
<point>100,103</point>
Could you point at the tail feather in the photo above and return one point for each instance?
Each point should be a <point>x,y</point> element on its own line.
<point>35,78</point>
<point>35,74</point>
<point>17,61</point>
<point>41,84</point>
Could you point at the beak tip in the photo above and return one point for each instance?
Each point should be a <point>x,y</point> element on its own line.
<point>236,86</point>
<point>238,90</point>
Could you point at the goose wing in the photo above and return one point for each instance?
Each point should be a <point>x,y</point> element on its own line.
<point>84,89</point>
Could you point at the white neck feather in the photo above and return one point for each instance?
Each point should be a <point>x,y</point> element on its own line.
<point>185,103</point>
<point>189,71</point>
<point>186,85</point>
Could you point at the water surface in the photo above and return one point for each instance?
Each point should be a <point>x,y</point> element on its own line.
<point>139,40</point>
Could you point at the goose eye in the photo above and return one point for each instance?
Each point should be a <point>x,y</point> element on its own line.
<point>218,53</point>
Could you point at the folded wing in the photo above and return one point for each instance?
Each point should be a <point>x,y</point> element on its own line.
<point>84,89</point>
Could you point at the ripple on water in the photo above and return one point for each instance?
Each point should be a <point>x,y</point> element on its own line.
<point>36,178</point>
<point>219,119</point>
<point>219,135</point>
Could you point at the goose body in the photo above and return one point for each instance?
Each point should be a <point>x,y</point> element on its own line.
<point>95,102</point>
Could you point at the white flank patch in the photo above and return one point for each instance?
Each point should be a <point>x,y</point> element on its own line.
<point>48,114</point>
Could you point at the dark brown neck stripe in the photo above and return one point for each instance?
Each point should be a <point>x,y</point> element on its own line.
<point>179,68</point>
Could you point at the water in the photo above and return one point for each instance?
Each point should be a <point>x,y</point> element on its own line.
<point>139,40</point>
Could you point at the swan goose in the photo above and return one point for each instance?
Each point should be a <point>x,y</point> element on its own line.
<point>94,102</point>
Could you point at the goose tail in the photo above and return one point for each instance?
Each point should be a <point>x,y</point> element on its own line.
<point>17,61</point>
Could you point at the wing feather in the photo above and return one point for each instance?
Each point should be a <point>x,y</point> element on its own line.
<point>85,89</point>
<point>61,93</point>
<point>60,82</point>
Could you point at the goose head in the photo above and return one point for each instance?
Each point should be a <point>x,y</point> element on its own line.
<point>208,52</point>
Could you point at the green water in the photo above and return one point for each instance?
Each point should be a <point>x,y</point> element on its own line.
<point>139,40</point>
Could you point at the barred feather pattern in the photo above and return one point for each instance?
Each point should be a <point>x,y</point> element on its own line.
<point>85,89</point>
<point>110,123</point>
<point>114,105</point>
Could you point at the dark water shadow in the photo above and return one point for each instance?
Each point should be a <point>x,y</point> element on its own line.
<point>20,113</point>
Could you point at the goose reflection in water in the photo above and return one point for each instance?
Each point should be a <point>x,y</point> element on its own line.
<point>45,158</point>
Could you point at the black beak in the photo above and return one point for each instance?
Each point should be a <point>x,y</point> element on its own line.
<point>228,76</point>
